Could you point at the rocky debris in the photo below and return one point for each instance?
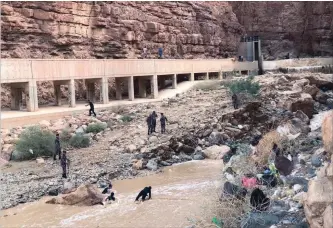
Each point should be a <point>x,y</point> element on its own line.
<point>327,132</point>
<point>304,103</point>
<point>216,152</point>
<point>85,195</point>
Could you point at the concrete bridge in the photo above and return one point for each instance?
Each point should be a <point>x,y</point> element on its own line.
<point>22,75</point>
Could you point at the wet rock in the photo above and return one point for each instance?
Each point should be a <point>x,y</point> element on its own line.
<point>53,192</point>
<point>321,97</point>
<point>184,157</point>
<point>316,161</point>
<point>164,163</point>
<point>152,165</point>
<point>187,149</point>
<point>216,152</point>
<point>302,116</point>
<point>259,220</point>
<point>85,195</point>
<point>215,138</point>
<point>329,103</point>
<point>198,157</point>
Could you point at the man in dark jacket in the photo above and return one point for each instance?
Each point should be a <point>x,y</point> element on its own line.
<point>57,149</point>
<point>64,162</point>
<point>163,120</point>
<point>92,108</point>
<point>153,121</point>
<point>149,124</point>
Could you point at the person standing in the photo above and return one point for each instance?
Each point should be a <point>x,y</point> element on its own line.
<point>163,120</point>
<point>149,124</point>
<point>235,101</point>
<point>64,164</point>
<point>144,54</point>
<point>92,108</point>
<point>160,52</point>
<point>57,149</point>
<point>153,121</point>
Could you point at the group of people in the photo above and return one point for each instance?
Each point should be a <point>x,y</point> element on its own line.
<point>151,122</point>
<point>64,161</point>
<point>111,195</point>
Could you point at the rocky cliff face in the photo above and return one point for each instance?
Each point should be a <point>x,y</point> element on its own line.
<point>183,29</point>
<point>117,29</point>
<point>300,28</point>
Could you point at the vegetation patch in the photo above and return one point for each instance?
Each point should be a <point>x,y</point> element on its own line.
<point>96,127</point>
<point>34,142</point>
<point>79,141</point>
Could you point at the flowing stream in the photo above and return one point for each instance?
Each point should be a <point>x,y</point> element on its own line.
<point>181,194</point>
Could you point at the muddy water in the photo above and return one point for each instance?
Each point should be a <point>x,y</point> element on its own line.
<point>181,194</point>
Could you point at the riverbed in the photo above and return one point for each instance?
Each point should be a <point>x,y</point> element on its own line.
<point>181,195</point>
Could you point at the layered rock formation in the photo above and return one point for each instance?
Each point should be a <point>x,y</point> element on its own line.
<point>300,28</point>
<point>117,29</point>
<point>183,29</point>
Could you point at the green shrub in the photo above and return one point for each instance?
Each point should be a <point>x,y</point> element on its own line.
<point>244,85</point>
<point>65,136</point>
<point>126,118</point>
<point>96,127</point>
<point>79,141</point>
<point>37,140</point>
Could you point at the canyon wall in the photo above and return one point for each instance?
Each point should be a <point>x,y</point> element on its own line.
<point>182,29</point>
<point>300,28</point>
<point>117,29</point>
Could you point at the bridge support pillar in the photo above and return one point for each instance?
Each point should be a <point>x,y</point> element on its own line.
<point>130,88</point>
<point>90,85</point>
<point>31,96</point>
<point>118,89</point>
<point>142,88</point>
<point>71,93</point>
<point>57,93</point>
<point>219,76</point>
<point>105,90</point>
<point>154,86</point>
<point>192,77</point>
<point>174,81</point>
<point>16,98</point>
<point>207,76</point>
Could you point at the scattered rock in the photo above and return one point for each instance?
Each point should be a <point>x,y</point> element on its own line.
<point>138,165</point>
<point>152,165</point>
<point>315,161</point>
<point>40,160</point>
<point>321,97</point>
<point>259,220</point>
<point>53,192</point>
<point>216,152</point>
<point>130,148</point>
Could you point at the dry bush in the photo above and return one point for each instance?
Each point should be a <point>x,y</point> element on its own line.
<point>265,146</point>
<point>229,210</point>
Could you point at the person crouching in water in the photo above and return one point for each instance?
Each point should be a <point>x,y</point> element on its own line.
<point>108,190</point>
<point>64,162</point>
<point>163,120</point>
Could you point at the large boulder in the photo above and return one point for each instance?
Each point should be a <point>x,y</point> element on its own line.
<point>321,80</point>
<point>311,89</point>
<point>304,103</point>
<point>327,132</point>
<point>321,97</point>
<point>6,152</point>
<point>216,152</point>
<point>85,195</point>
<point>318,198</point>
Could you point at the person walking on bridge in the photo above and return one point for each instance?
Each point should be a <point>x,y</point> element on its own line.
<point>92,108</point>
